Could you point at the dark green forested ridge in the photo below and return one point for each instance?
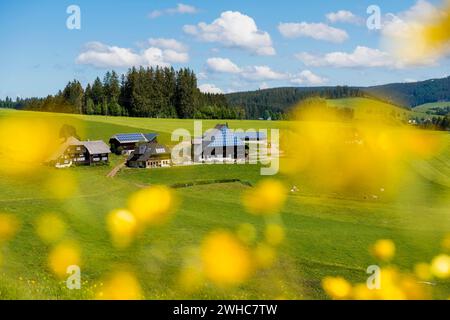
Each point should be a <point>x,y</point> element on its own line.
<point>415,93</point>
<point>142,92</point>
<point>279,100</point>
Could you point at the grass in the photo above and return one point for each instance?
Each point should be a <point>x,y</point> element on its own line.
<point>367,108</point>
<point>327,234</point>
<point>430,107</point>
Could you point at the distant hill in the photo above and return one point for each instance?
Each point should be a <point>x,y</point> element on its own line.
<point>277,101</point>
<point>365,108</point>
<point>413,94</point>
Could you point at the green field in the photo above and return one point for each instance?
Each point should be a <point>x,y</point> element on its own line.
<point>326,234</point>
<point>424,108</point>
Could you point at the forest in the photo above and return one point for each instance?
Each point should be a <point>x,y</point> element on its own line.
<point>276,103</point>
<point>143,92</point>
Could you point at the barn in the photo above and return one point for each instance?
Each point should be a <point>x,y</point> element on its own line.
<point>150,155</point>
<point>75,152</point>
<point>125,143</point>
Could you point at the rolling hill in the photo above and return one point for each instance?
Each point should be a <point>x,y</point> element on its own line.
<point>279,100</point>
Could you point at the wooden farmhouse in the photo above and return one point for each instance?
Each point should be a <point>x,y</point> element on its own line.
<point>225,145</point>
<point>76,152</point>
<point>150,155</point>
<point>126,143</point>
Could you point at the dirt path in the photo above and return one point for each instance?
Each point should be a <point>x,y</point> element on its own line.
<point>116,169</point>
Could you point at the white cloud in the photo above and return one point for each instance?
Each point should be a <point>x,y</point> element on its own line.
<point>359,58</point>
<point>344,16</point>
<point>318,31</point>
<point>222,65</point>
<point>173,56</point>
<point>202,76</point>
<point>262,73</point>
<point>307,77</point>
<point>179,9</point>
<point>264,86</point>
<point>402,35</point>
<point>165,43</point>
<point>209,88</point>
<point>236,30</point>
<point>101,55</point>
<point>259,73</point>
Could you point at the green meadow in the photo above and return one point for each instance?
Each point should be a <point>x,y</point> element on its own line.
<point>326,234</point>
<point>435,106</point>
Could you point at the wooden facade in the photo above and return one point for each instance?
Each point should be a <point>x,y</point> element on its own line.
<point>150,155</point>
<point>73,152</point>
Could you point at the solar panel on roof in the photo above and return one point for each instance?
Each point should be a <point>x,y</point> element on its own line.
<point>128,137</point>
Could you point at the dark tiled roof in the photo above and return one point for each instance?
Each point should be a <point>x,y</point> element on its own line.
<point>147,151</point>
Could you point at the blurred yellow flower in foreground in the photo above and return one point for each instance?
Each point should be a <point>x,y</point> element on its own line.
<point>265,255</point>
<point>50,227</point>
<point>362,292</point>
<point>34,141</point>
<point>274,234</point>
<point>423,271</point>
<point>226,261</point>
<point>121,285</point>
<point>122,227</point>
<point>337,287</point>
<point>62,256</point>
<point>446,242</point>
<point>423,36</point>
<point>383,249</point>
<point>9,225</point>
<point>440,266</point>
<point>190,278</point>
<point>267,197</point>
<point>152,205</point>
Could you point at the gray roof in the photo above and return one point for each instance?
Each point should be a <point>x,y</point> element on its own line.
<point>96,147</point>
<point>150,150</point>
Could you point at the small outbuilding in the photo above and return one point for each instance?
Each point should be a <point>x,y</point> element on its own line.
<point>150,155</point>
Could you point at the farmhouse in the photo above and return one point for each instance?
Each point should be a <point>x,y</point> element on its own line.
<point>220,144</point>
<point>76,152</point>
<point>150,155</point>
<point>126,143</point>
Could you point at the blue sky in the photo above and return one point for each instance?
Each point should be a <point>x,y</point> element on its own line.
<point>232,45</point>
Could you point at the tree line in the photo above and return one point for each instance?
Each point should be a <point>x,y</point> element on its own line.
<point>435,123</point>
<point>141,92</point>
<point>276,103</point>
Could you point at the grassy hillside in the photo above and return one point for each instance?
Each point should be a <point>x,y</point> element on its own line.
<point>326,234</point>
<point>366,108</point>
<point>433,108</point>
